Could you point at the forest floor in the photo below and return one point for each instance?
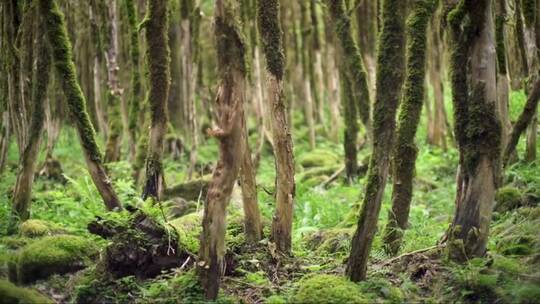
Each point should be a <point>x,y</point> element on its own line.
<point>324,220</point>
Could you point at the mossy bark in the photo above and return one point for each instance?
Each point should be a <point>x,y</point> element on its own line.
<point>405,149</point>
<point>390,72</point>
<point>28,160</point>
<point>114,94</point>
<point>158,58</point>
<point>503,81</point>
<point>229,104</point>
<point>271,37</point>
<point>65,69</point>
<point>477,126</point>
<point>354,84</point>
<point>136,87</point>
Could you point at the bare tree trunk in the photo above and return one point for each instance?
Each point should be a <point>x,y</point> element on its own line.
<point>270,32</point>
<point>405,149</point>
<point>28,160</point>
<point>159,75</point>
<point>252,214</point>
<point>65,68</point>
<point>503,81</point>
<point>229,101</point>
<point>390,66</point>
<point>525,118</point>
<point>114,94</point>
<point>477,127</point>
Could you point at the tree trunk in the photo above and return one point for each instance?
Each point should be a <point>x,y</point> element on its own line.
<point>405,149</point>
<point>252,224</point>
<point>390,66</point>
<point>229,101</point>
<point>135,98</point>
<point>523,121</point>
<point>354,85</point>
<point>477,126</point>
<point>114,94</point>
<point>270,32</point>
<point>65,68</point>
<point>28,160</point>
<point>503,81</point>
<point>159,77</point>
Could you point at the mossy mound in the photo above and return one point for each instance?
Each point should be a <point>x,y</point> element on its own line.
<point>191,190</point>
<point>316,175</point>
<point>330,240</point>
<point>318,158</point>
<point>94,286</point>
<point>275,299</point>
<point>38,228</point>
<point>189,229</point>
<point>508,198</point>
<point>325,288</point>
<point>11,294</point>
<point>518,233</point>
<point>54,254</point>
<point>14,242</point>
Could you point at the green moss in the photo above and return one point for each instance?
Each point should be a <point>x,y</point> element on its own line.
<point>508,198</point>
<point>189,229</point>
<point>54,254</point>
<point>14,242</point>
<point>35,228</point>
<point>378,289</point>
<point>94,287</point>
<point>327,289</point>
<point>525,293</point>
<point>271,36</point>
<point>65,68</point>
<point>11,294</point>
<point>330,241</point>
<point>275,299</point>
<point>318,158</point>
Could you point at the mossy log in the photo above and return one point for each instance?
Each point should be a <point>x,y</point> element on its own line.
<point>191,190</point>
<point>139,245</point>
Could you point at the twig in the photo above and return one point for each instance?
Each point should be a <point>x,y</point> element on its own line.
<point>332,177</point>
<point>410,253</point>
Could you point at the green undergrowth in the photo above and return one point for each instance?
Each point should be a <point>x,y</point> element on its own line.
<point>324,220</point>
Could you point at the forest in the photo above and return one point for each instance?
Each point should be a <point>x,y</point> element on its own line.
<point>269,151</point>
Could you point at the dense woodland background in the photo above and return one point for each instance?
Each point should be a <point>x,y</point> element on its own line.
<point>267,151</point>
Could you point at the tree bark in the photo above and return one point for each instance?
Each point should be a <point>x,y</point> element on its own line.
<point>271,37</point>
<point>477,126</point>
<point>354,85</point>
<point>405,149</point>
<point>229,101</point>
<point>390,66</point>
<point>159,77</point>
<point>65,68</point>
<point>114,93</point>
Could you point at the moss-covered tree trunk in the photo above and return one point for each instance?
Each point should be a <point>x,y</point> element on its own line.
<point>229,102</point>
<point>65,69</point>
<point>405,150</point>
<point>158,58</point>
<point>354,85</point>
<point>366,20</point>
<point>134,124</point>
<point>114,93</point>
<point>477,126</point>
<point>390,71</point>
<point>530,12</point>
<point>271,37</point>
<point>27,163</point>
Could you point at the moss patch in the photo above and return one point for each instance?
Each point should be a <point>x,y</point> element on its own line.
<point>318,158</point>
<point>327,289</point>
<point>11,294</point>
<point>508,198</point>
<point>54,254</point>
